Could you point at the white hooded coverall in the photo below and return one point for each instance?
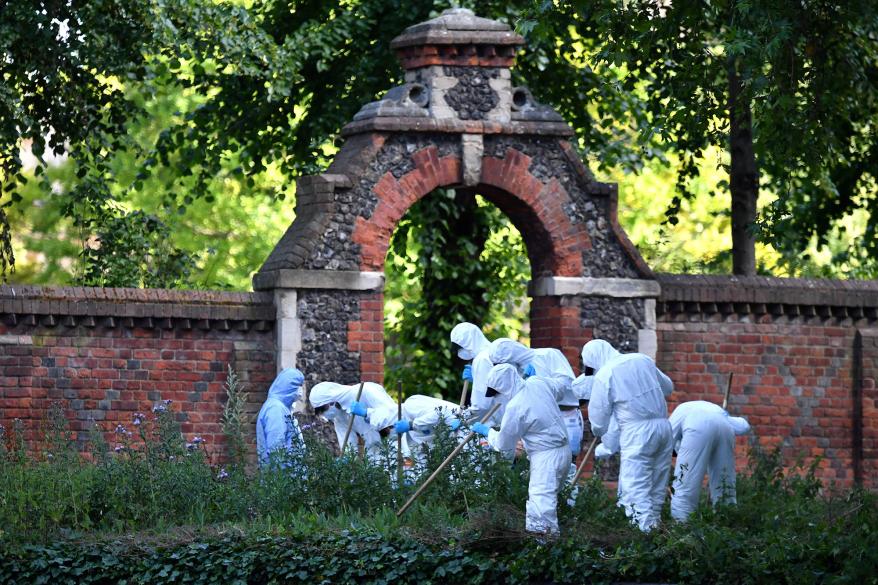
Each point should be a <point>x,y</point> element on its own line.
<point>609,444</point>
<point>374,397</point>
<point>424,413</point>
<point>474,346</point>
<point>632,388</point>
<point>704,435</point>
<point>275,425</point>
<point>533,416</point>
<point>547,362</point>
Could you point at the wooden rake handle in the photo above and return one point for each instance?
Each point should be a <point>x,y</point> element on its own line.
<point>347,435</point>
<point>582,463</point>
<point>442,466</point>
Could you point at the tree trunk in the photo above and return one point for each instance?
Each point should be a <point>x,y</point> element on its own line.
<point>743,177</point>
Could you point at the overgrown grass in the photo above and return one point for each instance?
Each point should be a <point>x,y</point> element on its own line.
<point>157,491</point>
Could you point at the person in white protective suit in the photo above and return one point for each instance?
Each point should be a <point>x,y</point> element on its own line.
<point>472,345</point>
<point>632,388</point>
<point>547,363</point>
<point>275,426</point>
<point>704,436</point>
<point>420,416</point>
<point>609,444</point>
<point>338,402</point>
<point>533,416</point>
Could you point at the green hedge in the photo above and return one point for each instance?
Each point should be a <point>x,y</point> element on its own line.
<point>703,555</point>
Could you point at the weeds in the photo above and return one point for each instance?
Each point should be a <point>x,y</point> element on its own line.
<point>787,527</point>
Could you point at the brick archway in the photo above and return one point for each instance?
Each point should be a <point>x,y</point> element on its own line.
<point>554,243</point>
<point>456,122</point>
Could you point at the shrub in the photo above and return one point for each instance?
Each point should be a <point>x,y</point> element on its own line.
<point>316,517</point>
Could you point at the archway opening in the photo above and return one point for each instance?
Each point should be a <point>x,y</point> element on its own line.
<point>454,256</point>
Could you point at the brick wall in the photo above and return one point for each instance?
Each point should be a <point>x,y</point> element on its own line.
<point>366,337</point>
<point>867,401</point>
<point>791,346</point>
<point>105,354</point>
<point>555,322</point>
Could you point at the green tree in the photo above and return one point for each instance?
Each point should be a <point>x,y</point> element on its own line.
<point>789,89</point>
<point>454,257</point>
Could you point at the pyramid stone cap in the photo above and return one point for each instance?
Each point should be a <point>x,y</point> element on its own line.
<point>457,26</point>
<point>457,37</point>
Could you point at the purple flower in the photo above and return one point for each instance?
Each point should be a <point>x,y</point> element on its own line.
<point>197,440</point>
<point>119,449</point>
<point>120,429</point>
<point>167,401</point>
<point>223,474</point>
<point>306,427</point>
<point>138,418</point>
<point>159,408</point>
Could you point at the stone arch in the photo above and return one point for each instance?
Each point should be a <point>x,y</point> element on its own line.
<point>456,122</point>
<point>554,243</point>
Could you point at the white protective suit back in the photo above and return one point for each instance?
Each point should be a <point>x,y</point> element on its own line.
<point>425,412</point>
<point>705,443</point>
<point>688,414</point>
<point>547,362</point>
<point>631,388</point>
<point>532,415</point>
<point>373,397</point>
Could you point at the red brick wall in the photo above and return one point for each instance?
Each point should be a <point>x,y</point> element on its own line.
<point>555,322</point>
<point>868,406</point>
<point>366,336</point>
<point>791,381</point>
<point>105,368</point>
<point>799,377</point>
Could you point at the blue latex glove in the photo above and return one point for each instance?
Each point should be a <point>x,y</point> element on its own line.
<point>454,424</point>
<point>358,409</point>
<point>467,372</point>
<point>529,371</point>
<point>480,429</point>
<point>402,426</point>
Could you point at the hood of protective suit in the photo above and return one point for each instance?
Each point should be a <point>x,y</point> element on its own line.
<point>381,418</point>
<point>739,425</point>
<point>287,386</point>
<point>509,351</point>
<point>470,339</point>
<point>504,379</point>
<point>326,393</point>
<point>582,387</point>
<point>597,352</point>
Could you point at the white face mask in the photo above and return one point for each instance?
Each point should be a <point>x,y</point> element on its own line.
<point>465,354</point>
<point>330,413</point>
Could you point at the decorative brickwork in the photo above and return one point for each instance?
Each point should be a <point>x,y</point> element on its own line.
<point>799,377</point>
<point>108,353</point>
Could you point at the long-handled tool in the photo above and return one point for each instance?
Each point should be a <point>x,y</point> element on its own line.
<point>399,435</point>
<point>463,394</point>
<point>347,435</point>
<point>728,390</point>
<point>448,459</point>
<point>582,463</point>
